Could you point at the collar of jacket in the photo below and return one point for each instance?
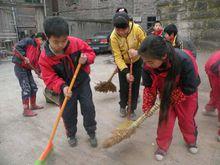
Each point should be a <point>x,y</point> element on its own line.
<point>49,53</point>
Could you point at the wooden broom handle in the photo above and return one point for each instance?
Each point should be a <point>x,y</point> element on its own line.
<point>64,103</point>
<point>114,73</point>
<point>130,91</point>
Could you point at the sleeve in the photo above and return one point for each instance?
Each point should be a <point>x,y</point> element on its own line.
<point>87,50</point>
<point>21,46</point>
<point>149,92</point>
<point>189,79</point>
<point>215,68</point>
<point>49,76</point>
<point>118,56</point>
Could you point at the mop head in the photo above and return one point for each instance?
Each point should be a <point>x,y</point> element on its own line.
<point>120,134</point>
<point>105,86</point>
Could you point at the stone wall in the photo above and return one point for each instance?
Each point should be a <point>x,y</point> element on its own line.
<point>198,20</point>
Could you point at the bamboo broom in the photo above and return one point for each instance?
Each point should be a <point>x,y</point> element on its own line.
<point>106,86</point>
<point>120,134</point>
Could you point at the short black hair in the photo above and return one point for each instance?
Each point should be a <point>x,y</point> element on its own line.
<point>156,22</point>
<point>171,28</point>
<point>121,20</point>
<point>121,9</point>
<point>56,26</point>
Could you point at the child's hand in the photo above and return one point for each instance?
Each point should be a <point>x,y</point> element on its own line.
<point>26,60</point>
<point>132,53</point>
<point>130,78</point>
<point>66,93</point>
<point>82,59</point>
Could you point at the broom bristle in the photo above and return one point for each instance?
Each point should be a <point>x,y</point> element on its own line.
<point>118,136</point>
<point>105,86</point>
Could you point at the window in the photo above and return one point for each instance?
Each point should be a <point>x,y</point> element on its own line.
<point>71,2</point>
<point>150,21</point>
<point>32,1</point>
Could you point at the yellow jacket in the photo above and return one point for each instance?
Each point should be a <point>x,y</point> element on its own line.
<point>121,45</point>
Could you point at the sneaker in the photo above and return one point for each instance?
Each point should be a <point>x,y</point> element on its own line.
<point>123,112</point>
<point>193,149</point>
<point>72,141</point>
<point>159,154</point>
<point>133,116</point>
<point>93,141</point>
<point>209,113</point>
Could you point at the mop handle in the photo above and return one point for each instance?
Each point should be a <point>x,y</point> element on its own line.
<point>130,91</point>
<point>114,73</point>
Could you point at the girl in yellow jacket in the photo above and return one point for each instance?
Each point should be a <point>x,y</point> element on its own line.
<point>125,41</point>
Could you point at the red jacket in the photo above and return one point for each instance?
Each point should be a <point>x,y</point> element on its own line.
<point>187,80</point>
<point>57,70</point>
<point>29,48</point>
<point>212,65</point>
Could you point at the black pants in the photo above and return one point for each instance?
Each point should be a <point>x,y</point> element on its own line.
<point>83,94</point>
<point>124,86</point>
<point>26,81</point>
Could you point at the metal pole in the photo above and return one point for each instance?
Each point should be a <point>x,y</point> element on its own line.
<point>45,8</point>
<point>14,19</point>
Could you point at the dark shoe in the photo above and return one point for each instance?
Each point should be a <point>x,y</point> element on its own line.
<point>72,141</point>
<point>123,112</point>
<point>133,116</point>
<point>193,149</point>
<point>93,141</point>
<point>159,154</point>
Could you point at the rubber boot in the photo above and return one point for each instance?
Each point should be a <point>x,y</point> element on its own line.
<point>34,106</point>
<point>27,111</point>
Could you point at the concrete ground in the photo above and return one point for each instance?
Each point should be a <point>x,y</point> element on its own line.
<point>23,139</point>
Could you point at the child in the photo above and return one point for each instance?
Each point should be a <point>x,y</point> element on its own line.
<point>58,62</point>
<point>212,68</point>
<point>26,54</point>
<point>170,33</point>
<point>157,28</point>
<point>172,74</point>
<point>125,40</point>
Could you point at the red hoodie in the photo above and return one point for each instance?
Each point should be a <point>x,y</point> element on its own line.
<point>57,70</point>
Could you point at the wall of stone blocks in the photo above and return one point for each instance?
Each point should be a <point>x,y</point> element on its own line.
<point>196,20</point>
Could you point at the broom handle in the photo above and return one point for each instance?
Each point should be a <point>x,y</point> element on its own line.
<point>130,91</point>
<point>114,73</point>
<point>49,144</point>
<point>144,116</point>
<point>22,58</point>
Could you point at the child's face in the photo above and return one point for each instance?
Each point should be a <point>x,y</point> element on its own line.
<point>39,40</point>
<point>152,62</point>
<point>122,32</point>
<point>157,27</point>
<point>169,37</point>
<point>58,43</point>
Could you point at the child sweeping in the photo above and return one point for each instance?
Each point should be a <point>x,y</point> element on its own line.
<point>174,75</point>
<point>58,62</point>
<point>26,55</point>
<point>212,68</point>
<point>125,40</point>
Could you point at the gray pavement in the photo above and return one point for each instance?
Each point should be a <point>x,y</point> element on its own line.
<point>23,139</point>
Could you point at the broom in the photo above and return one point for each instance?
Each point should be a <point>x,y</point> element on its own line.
<point>49,146</point>
<point>106,86</point>
<point>120,134</point>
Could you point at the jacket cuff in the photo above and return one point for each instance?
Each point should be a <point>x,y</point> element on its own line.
<point>125,71</point>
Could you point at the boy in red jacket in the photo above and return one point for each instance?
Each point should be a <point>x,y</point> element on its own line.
<point>173,75</point>
<point>26,55</point>
<point>58,62</point>
<point>212,68</point>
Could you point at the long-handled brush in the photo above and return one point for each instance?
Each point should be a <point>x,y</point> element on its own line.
<point>106,86</point>
<point>49,146</point>
<point>120,134</point>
